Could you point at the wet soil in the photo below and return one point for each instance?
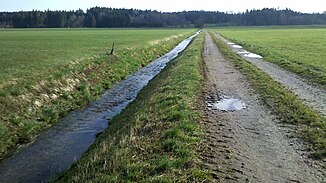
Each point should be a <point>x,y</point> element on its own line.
<point>313,95</point>
<point>248,145</point>
<point>60,146</point>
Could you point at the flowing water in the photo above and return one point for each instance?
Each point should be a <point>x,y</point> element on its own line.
<point>60,146</point>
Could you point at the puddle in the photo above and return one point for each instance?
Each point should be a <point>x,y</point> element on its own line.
<point>248,54</point>
<point>225,103</point>
<point>236,46</point>
<point>229,104</point>
<point>252,55</point>
<point>243,52</point>
<point>60,146</point>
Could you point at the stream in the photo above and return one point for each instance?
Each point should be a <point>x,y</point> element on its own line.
<point>57,148</point>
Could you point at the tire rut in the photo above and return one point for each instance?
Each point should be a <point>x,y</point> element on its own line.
<point>248,145</point>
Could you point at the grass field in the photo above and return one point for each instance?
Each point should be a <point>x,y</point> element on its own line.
<point>298,49</point>
<point>48,72</point>
<point>156,137</point>
<point>45,73</point>
<point>33,53</point>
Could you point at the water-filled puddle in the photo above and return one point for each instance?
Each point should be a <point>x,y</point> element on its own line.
<point>252,55</point>
<point>243,52</point>
<point>225,103</point>
<point>229,104</point>
<point>249,54</point>
<point>236,46</point>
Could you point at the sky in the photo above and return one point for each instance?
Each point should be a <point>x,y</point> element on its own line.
<point>235,6</point>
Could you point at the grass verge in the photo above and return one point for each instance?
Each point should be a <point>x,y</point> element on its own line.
<point>155,138</point>
<point>39,103</point>
<point>283,102</point>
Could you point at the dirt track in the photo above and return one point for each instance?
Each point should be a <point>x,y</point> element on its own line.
<point>313,95</point>
<point>248,145</point>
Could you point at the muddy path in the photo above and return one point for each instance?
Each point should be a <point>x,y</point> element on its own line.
<point>248,144</point>
<point>313,95</point>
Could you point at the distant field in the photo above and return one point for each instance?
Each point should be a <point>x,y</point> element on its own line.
<point>30,53</point>
<point>301,50</point>
<point>45,73</point>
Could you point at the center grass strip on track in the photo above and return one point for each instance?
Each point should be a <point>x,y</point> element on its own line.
<point>283,102</point>
<point>155,138</point>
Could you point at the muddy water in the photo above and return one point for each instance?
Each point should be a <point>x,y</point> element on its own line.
<point>60,146</point>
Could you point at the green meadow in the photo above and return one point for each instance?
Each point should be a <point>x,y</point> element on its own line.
<point>45,73</point>
<point>26,54</point>
<point>298,49</point>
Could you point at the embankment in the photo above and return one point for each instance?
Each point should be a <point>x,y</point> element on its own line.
<point>156,137</point>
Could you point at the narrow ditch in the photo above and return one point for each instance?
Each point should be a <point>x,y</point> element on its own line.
<point>58,148</point>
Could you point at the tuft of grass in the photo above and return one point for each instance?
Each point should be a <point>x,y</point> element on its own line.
<point>155,138</point>
<point>283,103</point>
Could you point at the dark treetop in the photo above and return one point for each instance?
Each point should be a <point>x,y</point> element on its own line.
<point>109,17</point>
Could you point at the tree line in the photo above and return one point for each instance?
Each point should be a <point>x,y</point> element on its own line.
<point>110,17</point>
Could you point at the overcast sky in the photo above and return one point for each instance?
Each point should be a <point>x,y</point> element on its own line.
<point>305,6</point>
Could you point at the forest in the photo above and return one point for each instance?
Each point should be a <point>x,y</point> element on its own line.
<point>110,17</point>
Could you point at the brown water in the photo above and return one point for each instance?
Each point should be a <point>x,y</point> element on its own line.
<point>60,146</point>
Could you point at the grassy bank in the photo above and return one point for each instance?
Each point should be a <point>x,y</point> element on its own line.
<point>155,138</point>
<point>283,102</point>
<point>298,49</point>
<point>47,72</point>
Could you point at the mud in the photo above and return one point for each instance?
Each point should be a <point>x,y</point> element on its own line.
<point>249,145</point>
<point>56,149</point>
<point>313,95</point>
